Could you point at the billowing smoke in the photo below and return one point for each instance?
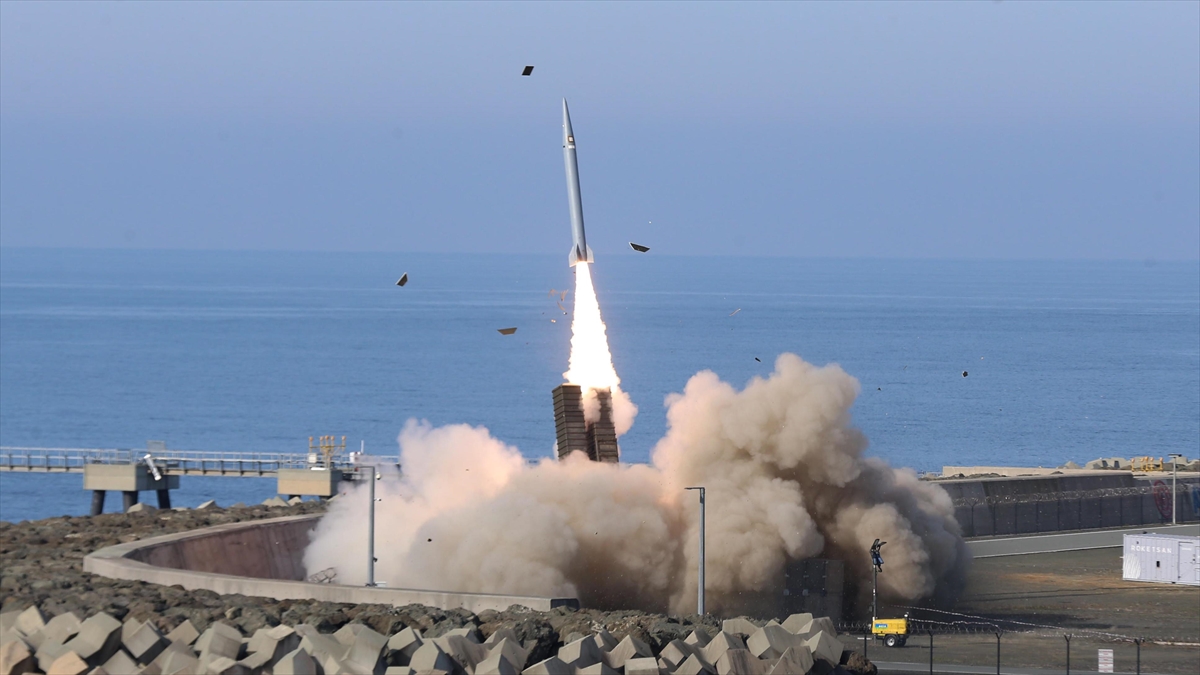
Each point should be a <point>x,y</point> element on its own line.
<point>785,476</point>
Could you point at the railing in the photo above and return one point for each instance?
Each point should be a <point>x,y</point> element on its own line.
<point>170,462</point>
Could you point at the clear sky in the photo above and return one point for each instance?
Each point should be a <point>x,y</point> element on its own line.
<point>961,130</point>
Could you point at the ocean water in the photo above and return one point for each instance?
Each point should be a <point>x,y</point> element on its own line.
<point>257,351</point>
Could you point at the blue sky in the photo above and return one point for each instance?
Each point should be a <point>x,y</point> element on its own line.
<point>943,130</point>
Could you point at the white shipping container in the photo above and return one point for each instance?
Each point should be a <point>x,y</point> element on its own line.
<point>1164,558</point>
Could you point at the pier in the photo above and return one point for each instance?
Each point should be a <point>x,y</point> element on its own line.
<point>158,468</point>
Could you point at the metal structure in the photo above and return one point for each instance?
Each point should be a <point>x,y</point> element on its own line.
<point>597,440</point>
<point>371,527</point>
<point>1175,457</point>
<point>700,581</point>
<point>168,462</point>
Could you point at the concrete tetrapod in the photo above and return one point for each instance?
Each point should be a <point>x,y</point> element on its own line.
<point>464,652</point>
<point>698,638</point>
<point>675,653</point>
<point>694,666</point>
<point>581,653</point>
<point>273,643</point>
<point>604,640</point>
<point>642,666</point>
<point>628,648</point>
<point>597,669</point>
<point>176,658</point>
<point>31,622</point>
<point>429,656</point>
<point>818,625</point>
<point>739,626</point>
<point>740,662</point>
<point>366,652</point>
<point>144,643</point>
<point>770,642</point>
<point>221,665</point>
<point>795,661</point>
<point>511,650</point>
<point>68,664</point>
<point>219,640</point>
<point>826,647</point>
<point>121,664</point>
<point>185,633</point>
<point>402,646</point>
<point>61,628</point>
<point>720,643</point>
<point>48,652</point>
<point>798,623</point>
<point>497,664</point>
<point>551,666</point>
<point>16,658</point>
<point>295,662</point>
<point>98,639</point>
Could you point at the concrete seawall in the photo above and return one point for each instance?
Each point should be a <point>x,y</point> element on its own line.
<point>264,558</point>
<point>1006,506</point>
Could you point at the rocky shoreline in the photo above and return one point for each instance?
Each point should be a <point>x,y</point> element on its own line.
<point>41,565</point>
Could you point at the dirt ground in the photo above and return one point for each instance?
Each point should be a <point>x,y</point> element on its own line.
<point>1079,593</point>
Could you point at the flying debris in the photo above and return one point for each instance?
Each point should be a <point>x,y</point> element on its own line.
<point>735,311</point>
<point>563,297</point>
<point>638,247</point>
<point>758,359</point>
<point>403,279</point>
<point>528,71</point>
<point>579,248</point>
<point>553,320</point>
<point>506,331</point>
<point>560,306</point>
<point>552,293</point>
<point>964,373</point>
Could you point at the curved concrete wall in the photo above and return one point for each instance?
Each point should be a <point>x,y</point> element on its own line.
<point>264,558</point>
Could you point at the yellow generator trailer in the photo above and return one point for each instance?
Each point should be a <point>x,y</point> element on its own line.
<point>893,632</point>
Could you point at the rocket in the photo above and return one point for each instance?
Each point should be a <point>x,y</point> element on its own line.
<point>579,248</point>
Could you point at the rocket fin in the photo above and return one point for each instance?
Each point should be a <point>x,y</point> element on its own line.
<point>574,258</point>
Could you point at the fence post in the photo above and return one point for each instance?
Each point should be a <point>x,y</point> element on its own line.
<point>1138,642</point>
<point>930,631</point>
<point>998,634</point>
<point>1068,639</point>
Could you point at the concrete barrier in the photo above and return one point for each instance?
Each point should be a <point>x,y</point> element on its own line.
<point>264,558</point>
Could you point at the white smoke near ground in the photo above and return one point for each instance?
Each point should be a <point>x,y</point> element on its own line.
<point>786,480</point>
<point>591,365</point>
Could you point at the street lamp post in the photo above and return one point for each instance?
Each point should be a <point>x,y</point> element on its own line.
<point>371,528</point>
<point>1175,456</point>
<point>700,584</point>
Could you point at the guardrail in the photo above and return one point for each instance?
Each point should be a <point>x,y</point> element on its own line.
<point>170,462</point>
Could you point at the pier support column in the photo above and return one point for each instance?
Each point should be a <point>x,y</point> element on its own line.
<point>130,497</point>
<point>164,499</point>
<point>97,502</point>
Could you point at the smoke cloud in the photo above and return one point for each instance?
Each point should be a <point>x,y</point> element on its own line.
<point>785,476</point>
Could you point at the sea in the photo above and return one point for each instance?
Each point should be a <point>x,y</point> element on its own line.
<point>961,362</point>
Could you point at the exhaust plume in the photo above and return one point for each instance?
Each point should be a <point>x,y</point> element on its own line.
<point>591,365</point>
<point>786,480</point>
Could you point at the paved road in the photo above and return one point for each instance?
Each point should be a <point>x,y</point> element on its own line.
<point>1069,541</point>
<point>891,668</point>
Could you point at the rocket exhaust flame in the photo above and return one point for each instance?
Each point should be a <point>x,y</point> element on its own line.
<point>591,365</point>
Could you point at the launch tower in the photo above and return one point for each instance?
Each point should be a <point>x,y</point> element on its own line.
<point>597,440</point>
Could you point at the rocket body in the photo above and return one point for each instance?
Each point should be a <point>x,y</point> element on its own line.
<point>579,248</point>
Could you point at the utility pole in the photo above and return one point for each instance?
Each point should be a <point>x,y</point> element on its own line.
<point>876,568</point>
<point>700,585</point>
<point>371,529</point>
<point>1175,456</point>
